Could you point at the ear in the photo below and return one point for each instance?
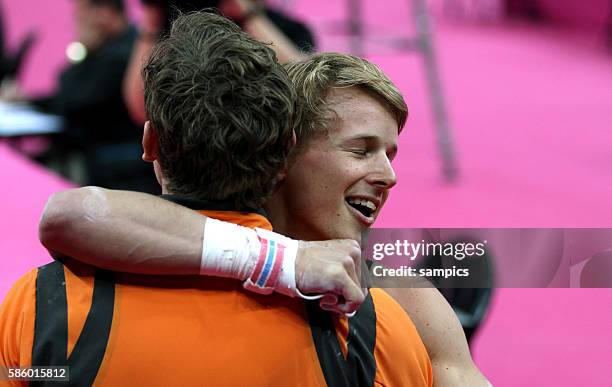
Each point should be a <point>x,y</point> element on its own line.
<point>150,143</point>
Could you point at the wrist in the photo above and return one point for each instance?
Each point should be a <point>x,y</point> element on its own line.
<point>228,250</point>
<point>282,258</point>
<point>264,260</point>
<point>274,270</point>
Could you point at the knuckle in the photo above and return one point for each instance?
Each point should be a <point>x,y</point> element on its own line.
<point>338,274</point>
<point>348,263</point>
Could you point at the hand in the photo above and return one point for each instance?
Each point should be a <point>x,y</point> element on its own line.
<point>334,268</point>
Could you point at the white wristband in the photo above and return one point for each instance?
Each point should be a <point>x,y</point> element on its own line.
<point>286,282</point>
<point>228,250</point>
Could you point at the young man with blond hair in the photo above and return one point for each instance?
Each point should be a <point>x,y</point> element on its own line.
<point>338,177</point>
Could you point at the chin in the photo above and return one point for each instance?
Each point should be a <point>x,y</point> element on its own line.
<point>349,234</point>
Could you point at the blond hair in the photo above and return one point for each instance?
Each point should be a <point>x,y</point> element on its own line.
<point>314,77</point>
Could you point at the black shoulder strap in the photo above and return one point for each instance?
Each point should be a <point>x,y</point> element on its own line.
<point>333,365</point>
<point>361,341</point>
<point>51,326</point>
<point>359,368</point>
<point>88,352</point>
<point>51,323</point>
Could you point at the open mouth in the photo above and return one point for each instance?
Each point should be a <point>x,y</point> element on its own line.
<point>365,207</point>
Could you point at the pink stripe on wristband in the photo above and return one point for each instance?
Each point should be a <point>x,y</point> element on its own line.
<point>263,252</point>
<point>273,278</point>
<point>268,267</point>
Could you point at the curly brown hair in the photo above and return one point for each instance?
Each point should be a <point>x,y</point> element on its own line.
<point>223,109</point>
<point>313,78</point>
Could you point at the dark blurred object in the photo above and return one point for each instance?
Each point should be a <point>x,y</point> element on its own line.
<point>470,306</point>
<point>172,8</point>
<point>99,132</point>
<point>1,46</point>
<point>608,28</point>
<point>89,95</point>
<point>597,272</point>
<point>295,30</point>
<point>469,303</point>
<point>184,5</point>
<point>10,65</point>
<point>524,9</point>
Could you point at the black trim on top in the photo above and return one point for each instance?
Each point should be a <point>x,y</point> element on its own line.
<point>359,367</point>
<point>51,326</point>
<point>361,341</point>
<point>210,205</point>
<point>332,362</point>
<point>51,323</point>
<point>87,355</point>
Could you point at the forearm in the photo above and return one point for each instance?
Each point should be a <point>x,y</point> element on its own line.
<point>134,232</point>
<point>118,230</point>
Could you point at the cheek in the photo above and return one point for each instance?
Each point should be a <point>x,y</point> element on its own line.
<point>321,179</point>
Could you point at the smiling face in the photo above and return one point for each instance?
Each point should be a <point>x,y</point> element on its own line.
<point>336,186</point>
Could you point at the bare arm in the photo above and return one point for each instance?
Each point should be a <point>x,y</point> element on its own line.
<point>123,231</point>
<point>140,233</point>
<point>442,335</point>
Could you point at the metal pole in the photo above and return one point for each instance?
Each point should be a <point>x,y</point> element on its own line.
<point>355,27</point>
<point>425,44</point>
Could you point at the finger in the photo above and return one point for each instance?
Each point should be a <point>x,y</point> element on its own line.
<point>348,309</point>
<point>329,302</point>
<point>335,308</point>
<point>351,269</point>
<point>358,264</point>
<point>353,294</point>
<point>329,299</point>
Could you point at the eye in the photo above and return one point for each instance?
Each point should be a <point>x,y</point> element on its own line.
<point>360,152</point>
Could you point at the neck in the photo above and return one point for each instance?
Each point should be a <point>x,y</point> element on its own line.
<point>279,215</point>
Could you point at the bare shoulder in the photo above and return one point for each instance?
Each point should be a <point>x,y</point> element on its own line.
<point>442,335</point>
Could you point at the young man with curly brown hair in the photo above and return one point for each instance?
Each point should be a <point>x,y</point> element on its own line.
<point>222,108</point>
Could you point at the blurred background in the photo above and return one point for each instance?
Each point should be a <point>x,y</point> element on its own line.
<point>510,126</point>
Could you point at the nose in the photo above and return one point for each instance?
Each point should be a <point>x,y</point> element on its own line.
<point>384,175</point>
